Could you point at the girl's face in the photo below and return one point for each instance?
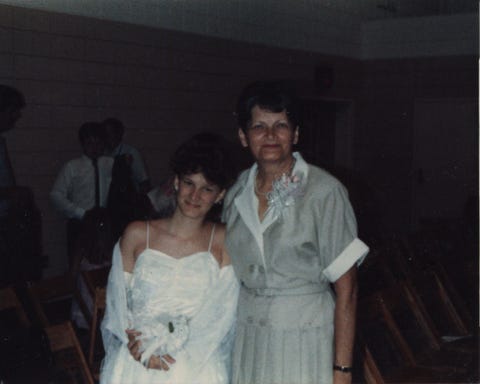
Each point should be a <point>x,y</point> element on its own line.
<point>196,195</point>
<point>269,135</point>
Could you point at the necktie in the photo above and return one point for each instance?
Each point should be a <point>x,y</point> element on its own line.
<point>97,182</point>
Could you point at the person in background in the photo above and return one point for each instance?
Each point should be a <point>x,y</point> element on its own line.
<point>11,104</point>
<point>171,282</point>
<point>80,194</point>
<point>291,232</point>
<point>20,220</point>
<point>116,147</point>
<point>77,191</point>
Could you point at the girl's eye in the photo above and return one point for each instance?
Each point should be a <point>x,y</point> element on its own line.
<point>186,181</point>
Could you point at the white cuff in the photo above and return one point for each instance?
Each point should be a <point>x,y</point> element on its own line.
<point>354,253</point>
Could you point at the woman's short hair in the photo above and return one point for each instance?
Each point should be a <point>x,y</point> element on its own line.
<point>273,96</point>
<point>206,153</point>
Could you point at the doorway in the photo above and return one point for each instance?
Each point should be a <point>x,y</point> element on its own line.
<point>326,135</point>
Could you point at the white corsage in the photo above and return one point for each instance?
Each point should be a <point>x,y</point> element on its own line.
<point>285,191</point>
<point>164,338</point>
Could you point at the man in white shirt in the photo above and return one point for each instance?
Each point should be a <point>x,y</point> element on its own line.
<point>115,146</point>
<point>77,189</point>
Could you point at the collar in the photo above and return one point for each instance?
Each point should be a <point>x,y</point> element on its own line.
<point>247,203</point>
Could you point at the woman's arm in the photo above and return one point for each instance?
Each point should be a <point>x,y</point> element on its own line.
<point>345,311</point>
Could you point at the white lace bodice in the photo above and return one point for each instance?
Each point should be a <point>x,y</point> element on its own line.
<point>163,286</point>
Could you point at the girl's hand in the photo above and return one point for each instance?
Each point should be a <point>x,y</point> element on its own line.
<point>134,344</point>
<point>155,362</point>
<point>161,363</point>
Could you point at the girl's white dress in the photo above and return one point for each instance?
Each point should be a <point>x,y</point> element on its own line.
<point>184,307</point>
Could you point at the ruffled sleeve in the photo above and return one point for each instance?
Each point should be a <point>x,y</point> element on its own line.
<point>116,318</point>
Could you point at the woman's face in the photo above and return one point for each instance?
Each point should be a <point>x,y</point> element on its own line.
<point>196,195</point>
<point>269,135</point>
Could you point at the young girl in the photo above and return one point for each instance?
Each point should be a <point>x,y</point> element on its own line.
<point>171,289</point>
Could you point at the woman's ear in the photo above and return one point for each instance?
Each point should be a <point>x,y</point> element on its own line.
<point>242,137</point>
<point>296,134</point>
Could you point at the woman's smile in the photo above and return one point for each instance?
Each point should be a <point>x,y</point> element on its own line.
<point>270,135</point>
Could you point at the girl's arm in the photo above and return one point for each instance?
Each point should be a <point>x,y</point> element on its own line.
<point>132,242</point>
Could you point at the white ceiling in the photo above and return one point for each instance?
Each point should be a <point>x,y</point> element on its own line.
<point>328,26</point>
<point>362,9</point>
<point>380,9</point>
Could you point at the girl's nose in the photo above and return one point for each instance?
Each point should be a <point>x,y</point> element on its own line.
<point>195,195</point>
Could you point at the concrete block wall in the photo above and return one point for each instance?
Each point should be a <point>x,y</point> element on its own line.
<point>300,24</point>
<point>163,85</point>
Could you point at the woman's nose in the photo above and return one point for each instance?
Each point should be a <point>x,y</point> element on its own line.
<point>270,132</point>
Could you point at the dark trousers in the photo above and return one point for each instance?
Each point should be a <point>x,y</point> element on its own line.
<point>73,231</point>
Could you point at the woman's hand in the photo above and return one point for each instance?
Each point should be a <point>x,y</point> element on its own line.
<point>155,362</point>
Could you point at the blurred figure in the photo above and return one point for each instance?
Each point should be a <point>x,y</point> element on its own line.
<point>20,221</point>
<point>115,147</point>
<point>82,187</point>
<point>80,193</point>
<point>11,104</point>
<point>125,202</point>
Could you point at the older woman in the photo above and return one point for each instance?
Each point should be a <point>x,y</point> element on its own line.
<point>291,231</point>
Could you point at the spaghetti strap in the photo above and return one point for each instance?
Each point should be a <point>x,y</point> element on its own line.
<point>148,235</point>
<point>211,238</point>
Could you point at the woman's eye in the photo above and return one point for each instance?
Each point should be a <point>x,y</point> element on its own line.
<point>282,126</point>
<point>187,182</point>
<point>256,127</point>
